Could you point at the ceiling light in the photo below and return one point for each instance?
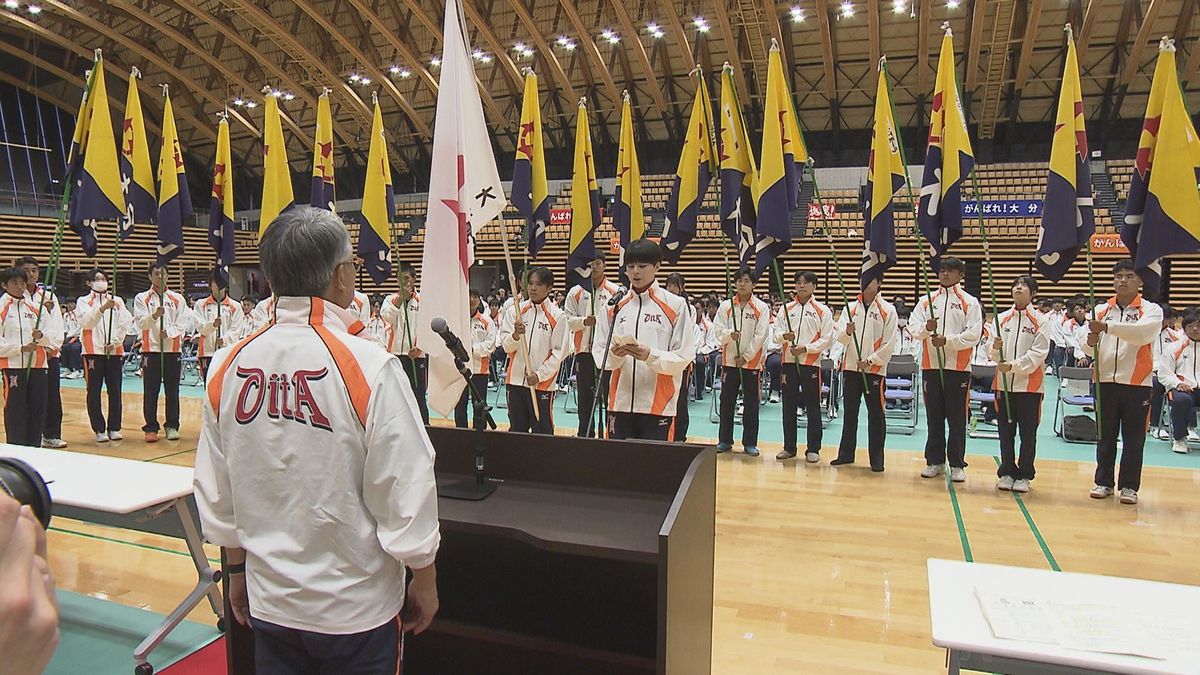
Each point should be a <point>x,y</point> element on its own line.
<point>435,62</point>
<point>237,101</point>
<point>477,54</point>
<point>797,14</point>
<point>251,104</point>
<point>289,96</point>
<point>847,9</point>
<point>952,4</point>
<point>520,46</point>
<point>898,7</point>
<point>405,72</point>
<point>365,81</point>
<point>486,58</point>
<point>700,24</point>
<point>652,27</point>
<point>34,9</point>
<point>657,33</point>
<point>11,4</point>
<point>354,77</point>
<point>394,69</point>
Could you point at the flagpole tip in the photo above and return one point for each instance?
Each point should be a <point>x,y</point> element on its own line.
<point>882,63</point>
<point>527,71</point>
<point>625,95</point>
<point>582,101</point>
<point>1070,31</point>
<point>375,97</point>
<point>266,89</point>
<point>1166,44</point>
<point>165,89</point>
<point>727,66</point>
<point>774,45</point>
<point>99,54</point>
<point>946,28</point>
<point>135,73</point>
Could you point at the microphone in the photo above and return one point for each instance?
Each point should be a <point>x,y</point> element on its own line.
<point>452,342</point>
<point>621,291</point>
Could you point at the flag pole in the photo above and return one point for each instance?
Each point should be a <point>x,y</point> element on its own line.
<point>732,314</point>
<point>512,281</point>
<point>837,266</point>
<point>1096,347</point>
<point>912,200</point>
<point>162,305</point>
<point>783,297</point>
<point>412,367</point>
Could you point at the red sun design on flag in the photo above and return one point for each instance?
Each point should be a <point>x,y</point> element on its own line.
<point>127,148</point>
<point>525,142</point>
<point>218,188</point>
<point>461,217</point>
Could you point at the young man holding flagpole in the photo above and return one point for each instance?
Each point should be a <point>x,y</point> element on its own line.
<point>742,323</point>
<point>582,307</point>
<point>162,316</point>
<point>806,328</point>
<point>866,331</point>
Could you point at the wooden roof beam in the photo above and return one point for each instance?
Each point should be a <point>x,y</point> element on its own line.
<point>826,31</point>
<point>1144,35</point>
<point>1028,38</point>
<point>634,40</point>
<point>873,32</point>
<point>671,10</point>
<point>499,49</point>
<point>732,51</point>
<point>589,46</point>
<point>547,53</point>
<point>924,19</point>
<point>975,43</point>
<point>1089,25</point>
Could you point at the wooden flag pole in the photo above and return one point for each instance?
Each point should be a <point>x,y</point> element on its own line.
<point>512,281</point>
<point>915,206</point>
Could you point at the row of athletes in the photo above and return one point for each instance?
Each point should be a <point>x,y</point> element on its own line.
<point>657,333</point>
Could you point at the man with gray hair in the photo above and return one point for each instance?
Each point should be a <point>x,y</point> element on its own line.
<point>314,472</point>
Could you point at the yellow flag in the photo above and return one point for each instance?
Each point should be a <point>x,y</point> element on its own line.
<point>628,219</point>
<point>277,176</point>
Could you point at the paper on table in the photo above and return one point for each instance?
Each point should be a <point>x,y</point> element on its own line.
<point>1013,618</point>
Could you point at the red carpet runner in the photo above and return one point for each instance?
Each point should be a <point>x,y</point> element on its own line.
<point>208,660</point>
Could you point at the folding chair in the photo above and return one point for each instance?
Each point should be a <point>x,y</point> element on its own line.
<point>901,384</point>
<point>1074,389</point>
<point>830,388</point>
<point>980,399</point>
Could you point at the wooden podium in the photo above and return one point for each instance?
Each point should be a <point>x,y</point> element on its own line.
<point>592,557</point>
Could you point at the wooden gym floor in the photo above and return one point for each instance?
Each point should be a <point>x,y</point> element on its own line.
<point>818,569</point>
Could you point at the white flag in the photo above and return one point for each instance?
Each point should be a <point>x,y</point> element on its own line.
<point>464,194</point>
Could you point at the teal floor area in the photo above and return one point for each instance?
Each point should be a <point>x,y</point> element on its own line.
<point>98,637</point>
<point>701,428</point>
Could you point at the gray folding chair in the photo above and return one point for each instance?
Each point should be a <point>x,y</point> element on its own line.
<point>901,384</point>
<point>979,400</point>
<point>1074,389</point>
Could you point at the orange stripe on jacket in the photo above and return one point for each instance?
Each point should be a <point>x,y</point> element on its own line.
<point>664,394</point>
<point>1143,364</point>
<point>352,375</point>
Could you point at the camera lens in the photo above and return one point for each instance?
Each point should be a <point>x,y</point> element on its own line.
<point>24,484</point>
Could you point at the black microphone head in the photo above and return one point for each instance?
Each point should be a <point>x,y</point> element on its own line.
<point>439,325</point>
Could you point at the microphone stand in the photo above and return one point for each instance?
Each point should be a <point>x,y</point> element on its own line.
<point>479,487</point>
<point>603,362</point>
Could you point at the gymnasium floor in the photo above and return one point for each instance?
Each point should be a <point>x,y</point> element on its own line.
<point>817,568</point>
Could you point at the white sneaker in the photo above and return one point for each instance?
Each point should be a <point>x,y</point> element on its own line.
<point>958,474</point>
<point>1049,370</point>
<point>812,457</point>
<point>115,436</point>
<point>1162,434</point>
<point>1005,483</point>
<point>101,437</point>
<point>932,471</point>
<point>54,443</point>
<point>1180,446</point>
<point>774,398</point>
<point>1021,485</point>
<point>1128,496</point>
<point>1193,436</point>
<point>1101,492</point>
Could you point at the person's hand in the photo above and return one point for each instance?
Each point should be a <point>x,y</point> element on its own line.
<point>25,349</point>
<point>798,351</point>
<point>740,361</point>
<point>28,607</point>
<point>37,335</point>
<point>1184,386</point>
<point>589,321</point>
<point>49,303</point>
<point>931,325</point>
<point>108,304</point>
<point>938,340</point>
<point>217,322</point>
<point>1097,327</point>
<point>1084,362</point>
<point>239,601</point>
<point>998,344</point>
<point>789,337</point>
<point>421,601</point>
<point>157,313</point>
<point>414,353</point>
<point>518,329</point>
<point>531,380</point>
<point>638,351</point>
<point>736,335</point>
<point>1004,367</point>
<point>1093,339</point>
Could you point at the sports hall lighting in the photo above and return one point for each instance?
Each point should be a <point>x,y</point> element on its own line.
<point>566,43</point>
<point>700,24</point>
<point>250,103</point>
<point>797,14</point>
<point>952,4</point>
<point>899,7</point>
<point>34,9</point>
<point>394,69</point>
<point>237,101</point>
<point>847,9</point>
<point>655,30</point>
<point>289,96</point>
<point>405,72</point>
<point>477,54</point>
<point>11,4</point>
<point>365,81</point>
<point>354,78</point>
<point>435,61</point>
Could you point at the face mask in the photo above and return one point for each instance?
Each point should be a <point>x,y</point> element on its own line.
<point>100,286</point>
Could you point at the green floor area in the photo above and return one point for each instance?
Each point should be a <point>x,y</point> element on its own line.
<point>98,637</point>
<point>1050,446</point>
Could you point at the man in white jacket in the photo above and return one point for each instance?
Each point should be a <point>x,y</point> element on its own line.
<point>484,334</point>
<point>218,321</point>
<point>1179,371</point>
<point>742,324</point>
<point>542,327</point>
<point>314,472</point>
<point>1123,335</point>
<point>1020,353</point>
<point>582,307</point>
<point>400,311</point>
<point>867,331</point>
<point>653,343</point>
<point>805,326</point>
<point>162,316</point>
<point>949,322</point>
<point>24,355</point>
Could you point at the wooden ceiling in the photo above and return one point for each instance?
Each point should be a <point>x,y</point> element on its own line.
<point>1010,55</point>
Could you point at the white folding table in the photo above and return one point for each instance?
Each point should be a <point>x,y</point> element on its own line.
<point>960,626</point>
<point>129,493</point>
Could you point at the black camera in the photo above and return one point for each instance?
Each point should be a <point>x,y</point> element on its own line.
<point>24,484</point>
